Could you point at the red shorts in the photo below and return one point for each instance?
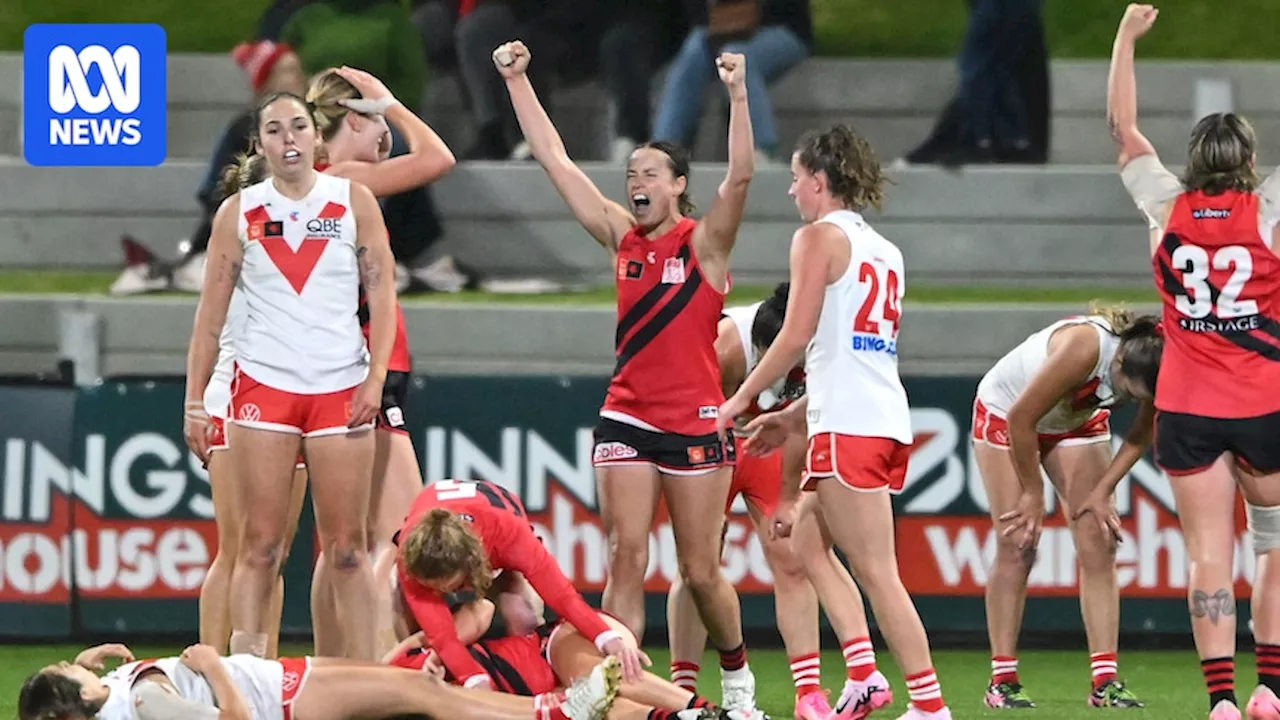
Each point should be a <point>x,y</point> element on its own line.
<point>263,407</point>
<point>858,463</point>
<point>758,479</point>
<point>993,430</point>
<point>294,677</point>
<point>218,440</point>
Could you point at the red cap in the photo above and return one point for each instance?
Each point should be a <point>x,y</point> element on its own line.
<point>258,58</point>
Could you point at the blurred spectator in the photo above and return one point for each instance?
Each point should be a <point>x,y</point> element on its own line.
<point>270,67</point>
<point>775,36</point>
<point>276,16</point>
<point>1001,109</point>
<point>644,35</point>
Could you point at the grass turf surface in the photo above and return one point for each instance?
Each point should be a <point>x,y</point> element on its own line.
<point>860,28</point>
<point>1056,680</point>
<point>96,283</point>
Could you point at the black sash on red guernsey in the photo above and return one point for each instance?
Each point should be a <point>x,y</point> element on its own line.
<point>627,348</point>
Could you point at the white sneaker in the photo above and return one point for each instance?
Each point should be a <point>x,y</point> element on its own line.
<point>590,697</point>
<point>189,276</point>
<point>915,713</point>
<point>738,690</point>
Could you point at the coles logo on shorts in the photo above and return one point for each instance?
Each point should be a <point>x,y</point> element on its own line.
<point>249,413</point>
<point>613,451</point>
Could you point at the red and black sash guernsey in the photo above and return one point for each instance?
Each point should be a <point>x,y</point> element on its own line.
<point>632,335</point>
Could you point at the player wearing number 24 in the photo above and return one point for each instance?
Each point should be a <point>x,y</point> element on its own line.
<point>463,535</point>
<point>1213,253</point>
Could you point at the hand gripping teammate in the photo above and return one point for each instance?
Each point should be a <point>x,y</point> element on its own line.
<point>842,318</point>
<point>298,245</point>
<point>201,685</point>
<point>1213,253</point>
<point>1044,405</point>
<point>801,576</point>
<point>656,436</point>
<point>458,535</point>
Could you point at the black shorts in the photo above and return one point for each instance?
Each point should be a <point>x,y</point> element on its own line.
<point>618,443</point>
<point>1187,444</point>
<point>395,390</point>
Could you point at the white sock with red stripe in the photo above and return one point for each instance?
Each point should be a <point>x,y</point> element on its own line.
<point>859,658</point>
<point>684,675</point>
<point>547,707</point>
<point>925,692</point>
<point>1104,668</point>
<point>1004,669</point>
<point>806,672</point>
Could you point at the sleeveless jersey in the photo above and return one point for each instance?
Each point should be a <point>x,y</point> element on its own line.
<point>782,393</point>
<point>1006,380</point>
<point>667,376</point>
<point>852,361</point>
<point>300,283</point>
<point>257,679</point>
<point>399,361</point>
<point>1219,281</point>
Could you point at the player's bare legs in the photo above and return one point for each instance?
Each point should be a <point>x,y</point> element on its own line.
<point>275,611</point>
<point>1265,599</point>
<point>686,635</point>
<point>215,616</point>
<point>262,461</point>
<point>1006,593</point>
<point>341,469</point>
<point>628,500</point>
<point>696,506</point>
<point>1075,471</point>
<point>866,535</point>
<point>402,482</point>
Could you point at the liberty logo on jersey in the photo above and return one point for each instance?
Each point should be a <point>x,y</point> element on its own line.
<point>93,95</point>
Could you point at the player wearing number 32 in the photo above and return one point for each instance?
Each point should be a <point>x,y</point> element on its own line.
<point>462,535</point>
<point>1213,251</point>
<point>846,292</point>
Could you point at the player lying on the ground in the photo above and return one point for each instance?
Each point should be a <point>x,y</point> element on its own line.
<point>557,655</point>
<point>202,685</point>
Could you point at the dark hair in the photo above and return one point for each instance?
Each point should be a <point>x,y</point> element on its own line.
<point>53,696</point>
<point>768,322</point>
<point>678,163</point>
<point>269,99</point>
<point>1220,155</point>
<point>846,158</point>
<point>1141,346</point>
<point>247,169</point>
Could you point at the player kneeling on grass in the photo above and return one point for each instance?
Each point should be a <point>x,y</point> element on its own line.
<point>556,655</point>
<point>202,685</point>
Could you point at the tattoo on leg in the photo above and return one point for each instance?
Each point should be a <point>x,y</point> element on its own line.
<point>1215,606</point>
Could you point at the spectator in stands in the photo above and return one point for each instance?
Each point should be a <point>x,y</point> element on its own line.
<point>643,36</point>
<point>774,35</point>
<point>1001,109</point>
<point>270,67</point>
<point>276,16</point>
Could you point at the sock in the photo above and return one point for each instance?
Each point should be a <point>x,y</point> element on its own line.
<point>859,658</point>
<point>656,714</point>
<point>925,692</point>
<point>1269,666</point>
<point>1219,679</point>
<point>735,659</point>
<point>547,707</point>
<point>684,675</point>
<point>1004,669</point>
<point>806,673</point>
<point>1103,666</point>
<point>697,702</point>
<point>247,643</point>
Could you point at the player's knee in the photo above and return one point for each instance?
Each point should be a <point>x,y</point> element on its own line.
<point>628,557</point>
<point>785,564</point>
<point>700,575</point>
<point>1009,555</point>
<point>261,550</point>
<point>1094,548</point>
<point>1264,527</point>
<point>345,552</point>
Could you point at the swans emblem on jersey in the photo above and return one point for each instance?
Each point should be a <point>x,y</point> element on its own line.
<point>296,265</point>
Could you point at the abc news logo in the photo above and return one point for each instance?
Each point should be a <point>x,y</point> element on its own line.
<point>94,95</point>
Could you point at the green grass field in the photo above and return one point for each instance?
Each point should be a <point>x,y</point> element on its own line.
<point>22,282</point>
<point>1169,682</point>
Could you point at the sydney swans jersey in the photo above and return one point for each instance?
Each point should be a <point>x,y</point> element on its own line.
<point>300,283</point>
<point>1009,377</point>
<point>852,361</point>
<point>783,392</point>
<point>260,681</point>
<point>667,376</point>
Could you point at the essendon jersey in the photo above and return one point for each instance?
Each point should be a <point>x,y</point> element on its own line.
<point>667,375</point>
<point>1220,284</point>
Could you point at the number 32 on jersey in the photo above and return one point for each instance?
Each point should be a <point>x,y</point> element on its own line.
<point>1195,265</point>
<point>875,327</point>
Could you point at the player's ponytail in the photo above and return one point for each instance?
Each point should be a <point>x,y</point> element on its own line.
<point>247,169</point>
<point>768,322</point>
<point>441,546</point>
<point>1117,316</point>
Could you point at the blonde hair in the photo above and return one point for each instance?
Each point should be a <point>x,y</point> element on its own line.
<point>1118,317</point>
<point>440,546</point>
<point>247,169</point>
<point>323,94</point>
<point>853,173</point>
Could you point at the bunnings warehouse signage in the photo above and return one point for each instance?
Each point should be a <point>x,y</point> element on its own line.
<point>102,503</point>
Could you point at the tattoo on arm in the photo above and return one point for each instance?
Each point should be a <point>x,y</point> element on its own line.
<point>1114,128</point>
<point>228,270</point>
<point>1215,606</point>
<point>370,273</point>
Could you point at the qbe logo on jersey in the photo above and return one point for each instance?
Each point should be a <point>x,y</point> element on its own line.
<point>93,95</point>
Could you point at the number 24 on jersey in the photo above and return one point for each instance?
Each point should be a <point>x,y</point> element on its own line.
<point>881,307</point>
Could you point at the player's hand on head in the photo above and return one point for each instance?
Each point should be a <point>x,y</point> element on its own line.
<point>511,58</point>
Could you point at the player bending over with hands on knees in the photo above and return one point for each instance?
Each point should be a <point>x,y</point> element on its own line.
<point>202,685</point>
